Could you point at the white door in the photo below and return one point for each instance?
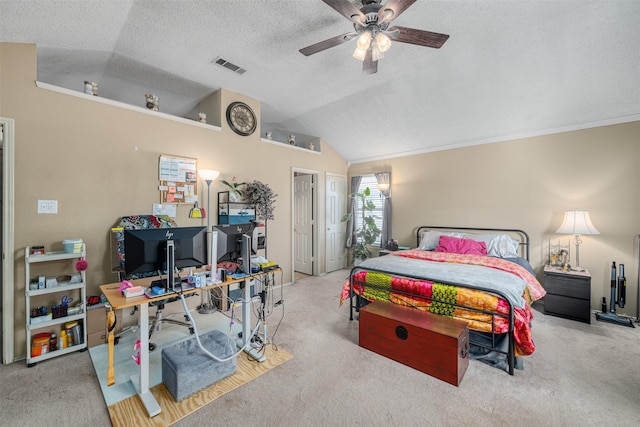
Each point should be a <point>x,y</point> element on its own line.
<point>336,208</point>
<point>303,224</point>
<point>7,141</point>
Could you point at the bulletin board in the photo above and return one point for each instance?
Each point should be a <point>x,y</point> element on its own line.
<point>178,179</point>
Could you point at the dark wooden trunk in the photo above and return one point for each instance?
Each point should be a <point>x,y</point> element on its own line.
<point>435,345</point>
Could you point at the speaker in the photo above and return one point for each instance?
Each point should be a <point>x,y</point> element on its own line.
<point>246,254</point>
<point>213,251</point>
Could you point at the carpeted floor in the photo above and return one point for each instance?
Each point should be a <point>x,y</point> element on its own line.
<point>580,375</point>
<point>125,407</point>
<point>125,366</point>
<point>130,411</point>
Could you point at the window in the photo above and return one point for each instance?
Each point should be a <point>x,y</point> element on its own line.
<point>376,197</point>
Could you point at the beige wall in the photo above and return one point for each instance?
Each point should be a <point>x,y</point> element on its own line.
<point>101,163</point>
<point>528,184</point>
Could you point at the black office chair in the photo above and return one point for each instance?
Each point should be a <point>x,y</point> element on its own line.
<point>157,320</point>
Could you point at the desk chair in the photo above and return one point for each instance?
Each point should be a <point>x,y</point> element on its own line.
<point>157,320</point>
<point>139,222</point>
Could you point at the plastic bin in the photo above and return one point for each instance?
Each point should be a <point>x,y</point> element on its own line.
<point>72,246</point>
<point>40,344</point>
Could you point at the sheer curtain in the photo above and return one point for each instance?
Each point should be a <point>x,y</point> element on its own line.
<point>351,206</point>
<point>384,185</point>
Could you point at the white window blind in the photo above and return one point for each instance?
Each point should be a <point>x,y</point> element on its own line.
<point>376,197</point>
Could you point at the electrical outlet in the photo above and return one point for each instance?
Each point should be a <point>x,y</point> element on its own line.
<point>47,206</point>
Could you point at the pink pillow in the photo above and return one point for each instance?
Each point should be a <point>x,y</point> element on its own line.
<point>461,246</point>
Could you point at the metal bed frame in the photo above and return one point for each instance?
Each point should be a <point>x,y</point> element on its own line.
<point>524,248</point>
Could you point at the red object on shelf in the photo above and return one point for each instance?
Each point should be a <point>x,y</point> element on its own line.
<point>40,344</point>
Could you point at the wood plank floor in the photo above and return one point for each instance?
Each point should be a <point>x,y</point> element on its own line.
<point>130,411</point>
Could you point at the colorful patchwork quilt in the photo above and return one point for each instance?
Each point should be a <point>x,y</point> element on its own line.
<point>138,222</point>
<point>450,300</point>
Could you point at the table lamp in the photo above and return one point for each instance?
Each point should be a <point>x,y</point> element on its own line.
<point>577,223</point>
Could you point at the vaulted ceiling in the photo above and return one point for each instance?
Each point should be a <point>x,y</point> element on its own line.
<point>510,69</point>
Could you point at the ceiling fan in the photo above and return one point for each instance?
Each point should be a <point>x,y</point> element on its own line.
<point>371,25</point>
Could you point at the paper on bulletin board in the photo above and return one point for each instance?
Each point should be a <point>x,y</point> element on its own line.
<point>178,169</point>
<point>160,209</point>
<point>178,179</point>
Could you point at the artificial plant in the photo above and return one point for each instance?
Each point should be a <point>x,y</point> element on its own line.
<point>234,186</point>
<point>263,197</point>
<point>367,234</point>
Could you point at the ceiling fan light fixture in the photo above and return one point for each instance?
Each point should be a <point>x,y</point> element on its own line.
<point>359,54</point>
<point>383,42</point>
<point>364,40</point>
<point>376,53</point>
<point>371,26</point>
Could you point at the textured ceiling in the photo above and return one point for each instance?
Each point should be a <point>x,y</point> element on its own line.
<point>510,68</point>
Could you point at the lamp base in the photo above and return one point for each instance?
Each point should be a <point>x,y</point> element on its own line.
<point>207,309</point>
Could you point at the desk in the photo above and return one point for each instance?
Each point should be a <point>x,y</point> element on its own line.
<point>118,301</point>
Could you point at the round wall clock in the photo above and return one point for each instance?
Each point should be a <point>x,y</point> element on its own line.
<point>241,118</point>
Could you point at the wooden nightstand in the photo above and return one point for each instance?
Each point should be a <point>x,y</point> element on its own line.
<point>568,294</point>
<point>384,252</point>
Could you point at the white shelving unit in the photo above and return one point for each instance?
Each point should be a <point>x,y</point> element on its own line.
<point>77,291</point>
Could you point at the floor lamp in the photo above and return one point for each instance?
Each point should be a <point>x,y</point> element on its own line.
<point>208,176</point>
<point>577,223</point>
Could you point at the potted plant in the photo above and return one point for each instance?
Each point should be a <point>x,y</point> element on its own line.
<point>366,235</point>
<point>236,194</point>
<point>263,197</point>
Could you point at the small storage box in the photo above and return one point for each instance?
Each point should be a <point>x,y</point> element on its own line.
<point>186,369</point>
<point>435,345</point>
<point>72,246</point>
<point>40,344</point>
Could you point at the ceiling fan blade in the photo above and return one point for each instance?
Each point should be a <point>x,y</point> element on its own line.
<point>348,10</point>
<point>368,65</point>
<point>392,9</point>
<point>326,44</point>
<point>419,37</point>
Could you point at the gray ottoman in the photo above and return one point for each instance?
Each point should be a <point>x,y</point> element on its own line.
<point>186,369</point>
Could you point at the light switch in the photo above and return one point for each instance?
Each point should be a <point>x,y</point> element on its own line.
<point>47,206</point>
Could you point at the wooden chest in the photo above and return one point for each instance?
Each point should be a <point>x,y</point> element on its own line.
<point>435,345</point>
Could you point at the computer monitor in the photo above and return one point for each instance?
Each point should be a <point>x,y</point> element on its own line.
<point>230,240</point>
<point>145,251</point>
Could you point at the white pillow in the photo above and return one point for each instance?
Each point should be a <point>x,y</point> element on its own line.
<point>429,240</point>
<point>498,245</point>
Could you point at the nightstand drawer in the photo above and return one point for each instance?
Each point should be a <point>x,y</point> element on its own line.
<point>571,308</point>
<point>568,286</point>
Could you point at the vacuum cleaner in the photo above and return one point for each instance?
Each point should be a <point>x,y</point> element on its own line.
<point>618,296</point>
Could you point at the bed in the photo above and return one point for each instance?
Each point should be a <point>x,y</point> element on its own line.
<point>479,275</point>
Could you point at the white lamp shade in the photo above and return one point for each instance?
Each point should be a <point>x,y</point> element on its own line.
<point>208,174</point>
<point>577,222</point>
<point>376,53</point>
<point>364,40</point>
<point>383,42</point>
<point>383,186</point>
<point>359,54</point>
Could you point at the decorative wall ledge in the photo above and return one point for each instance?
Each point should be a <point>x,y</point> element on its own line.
<point>316,149</point>
<point>118,104</point>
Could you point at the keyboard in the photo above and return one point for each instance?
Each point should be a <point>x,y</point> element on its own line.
<point>163,282</point>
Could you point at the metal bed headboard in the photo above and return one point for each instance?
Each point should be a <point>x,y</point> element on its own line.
<point>523,237</point>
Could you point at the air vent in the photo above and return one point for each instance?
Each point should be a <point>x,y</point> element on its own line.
<point>228,65</point>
